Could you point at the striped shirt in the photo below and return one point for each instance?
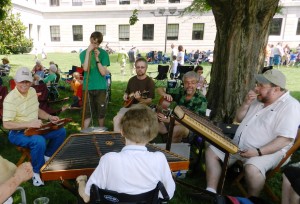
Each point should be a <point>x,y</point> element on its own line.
<point>19,108</point>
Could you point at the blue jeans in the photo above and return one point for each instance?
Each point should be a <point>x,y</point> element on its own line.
<point>38,144</point>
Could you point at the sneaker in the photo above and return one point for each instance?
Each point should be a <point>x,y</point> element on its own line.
<point>37,181</point>
<point>46,158</point>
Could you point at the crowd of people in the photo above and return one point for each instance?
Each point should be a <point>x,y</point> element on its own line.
<point>282,55</point>
<point>268,118</point>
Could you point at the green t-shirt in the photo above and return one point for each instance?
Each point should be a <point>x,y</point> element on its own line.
<point>96,80</point>
<point>50,78</point>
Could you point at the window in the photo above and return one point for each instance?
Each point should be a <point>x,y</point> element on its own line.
<point>54,2</point>
<point>55,33</point>
<point>76,2</point>
<point>298,27</point>
<point>149,1</point>
<point>174,1</point>
<point>198,30</point>
<point>100,2</point>
<point>124,32</point>
<point>148,31</point>
<point>101,29</point>
<point>275,26</point>
<point>124,2</point>
<point>172,31</point>
<point>77,33</point>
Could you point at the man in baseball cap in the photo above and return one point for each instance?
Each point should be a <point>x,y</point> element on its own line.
<point>21,111</point>
<point>269,118</point>
<point>273,76</point>
<point>23,74</point>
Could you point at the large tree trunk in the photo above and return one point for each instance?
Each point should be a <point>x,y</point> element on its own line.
<point>242,34</point>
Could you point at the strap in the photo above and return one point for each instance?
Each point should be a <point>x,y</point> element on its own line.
<point>163,190</point>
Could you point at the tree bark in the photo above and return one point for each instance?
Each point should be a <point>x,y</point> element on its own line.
<point>242,34</point>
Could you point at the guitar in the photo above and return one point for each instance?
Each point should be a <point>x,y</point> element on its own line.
<point>47,127</point>
<point>131,99</point>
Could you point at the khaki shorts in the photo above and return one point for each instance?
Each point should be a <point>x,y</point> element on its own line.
<point>97,104</point>
<point>263,163</point>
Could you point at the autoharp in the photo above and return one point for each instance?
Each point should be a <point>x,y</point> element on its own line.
<point>206,128</point>
<point>209,132</point>
<point>80,154</point>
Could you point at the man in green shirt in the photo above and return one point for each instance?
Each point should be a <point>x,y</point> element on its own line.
<point>187,96</point>
<point>98,60</point>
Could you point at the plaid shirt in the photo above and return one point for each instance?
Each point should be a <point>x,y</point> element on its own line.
<point>197,104</point>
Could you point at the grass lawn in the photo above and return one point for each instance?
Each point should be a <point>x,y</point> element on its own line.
<point>53,189</point>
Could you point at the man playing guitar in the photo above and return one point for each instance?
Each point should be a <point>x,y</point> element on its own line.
<point>140,89</point>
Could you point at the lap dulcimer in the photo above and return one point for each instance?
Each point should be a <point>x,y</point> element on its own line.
<point>47,127</point>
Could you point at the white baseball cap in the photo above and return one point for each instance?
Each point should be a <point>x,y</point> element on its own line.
<point>273,76</point>
<point>23,74</point>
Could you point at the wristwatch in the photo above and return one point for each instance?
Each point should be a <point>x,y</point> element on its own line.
<point>97,62</point>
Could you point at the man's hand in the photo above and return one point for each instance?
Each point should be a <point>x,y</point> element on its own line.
<point>249,153</point>
<point>97,52</point>
<point>125,97</point>
<point>168,97</point>
<point>162,118</point>
<point>53,118</point>
<point>137,95</point>
<point>91,47</point>
<point>251,96</point>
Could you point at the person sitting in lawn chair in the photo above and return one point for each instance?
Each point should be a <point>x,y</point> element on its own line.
<point>269,118</point>
<point>119,171</point>
<point>187,96</point>
<point>21,111</point>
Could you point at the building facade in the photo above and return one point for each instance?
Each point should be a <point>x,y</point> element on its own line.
<point>66,25</point>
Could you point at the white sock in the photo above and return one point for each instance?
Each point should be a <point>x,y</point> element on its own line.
<point>46,158</point>
<point>211,190</point>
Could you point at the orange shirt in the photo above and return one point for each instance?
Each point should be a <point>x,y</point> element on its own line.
<point>74,85</point>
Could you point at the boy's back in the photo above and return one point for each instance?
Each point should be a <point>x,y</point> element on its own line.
<point>132,171</point>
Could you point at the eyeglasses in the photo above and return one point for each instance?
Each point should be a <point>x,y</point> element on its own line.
<point>140,67</point>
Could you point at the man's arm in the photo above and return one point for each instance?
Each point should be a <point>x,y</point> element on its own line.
<point>275,145</point>
<point>45,116</point>
<point>85,64</point>
<point>81,181</point>
<point>23,173</point>
<point>102,69</point>
<point>242,111</point>
<point>12,125</point>
<point>162,92</point>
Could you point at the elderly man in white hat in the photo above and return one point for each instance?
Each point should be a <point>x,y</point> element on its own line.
<point>269,118</point>
<point>21,111</point>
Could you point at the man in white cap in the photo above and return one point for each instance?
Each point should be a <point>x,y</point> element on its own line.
<point>20,111</point>
<point>269,118</point>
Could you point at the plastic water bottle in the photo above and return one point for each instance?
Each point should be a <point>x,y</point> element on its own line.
<point>108,79</point>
